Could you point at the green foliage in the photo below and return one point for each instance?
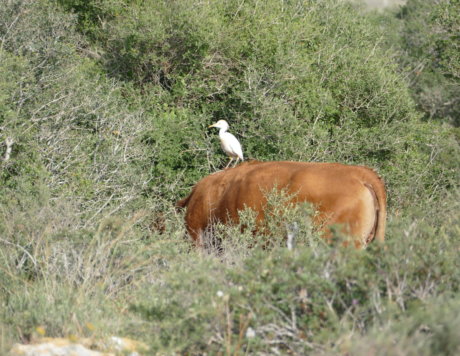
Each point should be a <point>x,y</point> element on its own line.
<point>310,298</point>
<point>316,298</point>
<point>92,14</point>
<point>13,70</point>
<point>175,145</point>
<point>429,331</point>
<point>108,103</point>
<point>296,81</point>
<point>430,45</point>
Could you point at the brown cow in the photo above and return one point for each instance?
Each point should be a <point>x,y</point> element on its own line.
<point>352,196</point>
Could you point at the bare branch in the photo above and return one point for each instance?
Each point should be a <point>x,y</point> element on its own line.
<point>9,144</point>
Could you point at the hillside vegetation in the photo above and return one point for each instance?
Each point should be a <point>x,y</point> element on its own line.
<point>108,103</point>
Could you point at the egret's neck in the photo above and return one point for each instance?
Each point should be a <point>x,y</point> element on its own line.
<point>222,130</point>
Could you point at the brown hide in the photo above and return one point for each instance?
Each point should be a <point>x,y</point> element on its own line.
<point>352,196</point>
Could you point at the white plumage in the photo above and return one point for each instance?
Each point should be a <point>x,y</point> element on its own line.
<point>229,143</point>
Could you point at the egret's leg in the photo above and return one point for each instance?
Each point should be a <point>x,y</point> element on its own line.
<point>236,162</point>
<point>231,159</point>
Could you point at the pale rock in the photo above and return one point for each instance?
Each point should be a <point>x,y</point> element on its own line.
<point>111,346</point>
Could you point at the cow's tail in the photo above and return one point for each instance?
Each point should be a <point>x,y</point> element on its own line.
<point>377,188</point>
<point>381,216</point>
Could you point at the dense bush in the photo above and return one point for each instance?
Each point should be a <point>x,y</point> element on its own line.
<point>431,44</point>
<point>317,298</point>
<point>425,36</point>
<point>299,81</point>
<point>108,103</point>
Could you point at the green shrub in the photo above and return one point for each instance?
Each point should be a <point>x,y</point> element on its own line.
<point>427,331</point>
<point>427,41</point>
<point>296,81</point>
<point>312,299</point>
<point>109,102</point>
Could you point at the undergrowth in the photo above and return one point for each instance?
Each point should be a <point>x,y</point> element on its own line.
<point>317,298</point>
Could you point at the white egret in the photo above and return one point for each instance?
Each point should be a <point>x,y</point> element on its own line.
<point>229,143</point>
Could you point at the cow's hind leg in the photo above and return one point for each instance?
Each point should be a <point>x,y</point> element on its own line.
<point>196,235</point>
<point>360,218</point>
<point>352,216</point>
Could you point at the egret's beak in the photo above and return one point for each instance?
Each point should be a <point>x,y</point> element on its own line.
<point>211,126</point>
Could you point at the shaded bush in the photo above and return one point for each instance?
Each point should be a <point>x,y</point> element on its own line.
<point>425,33</point>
